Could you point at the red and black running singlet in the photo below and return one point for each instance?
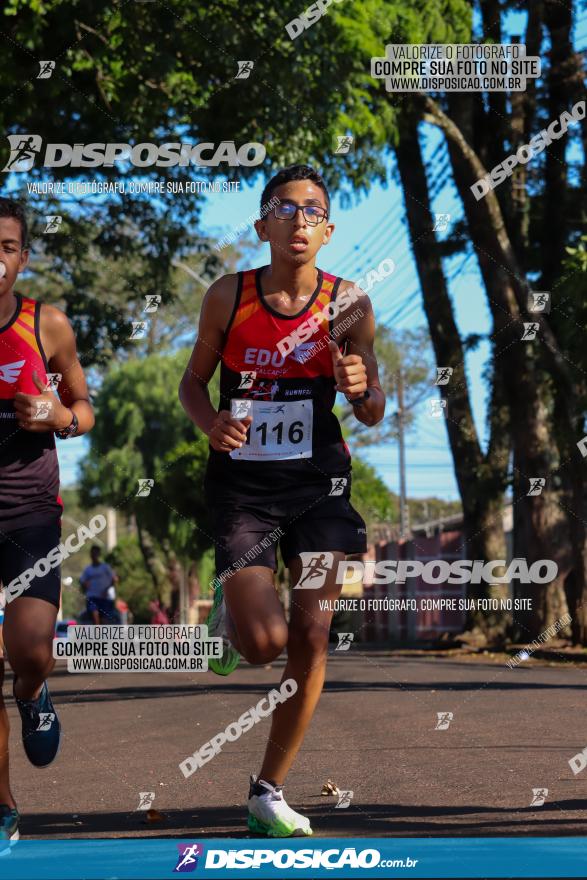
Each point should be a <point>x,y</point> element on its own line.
<point>278,369</point>
<point>29,470</point>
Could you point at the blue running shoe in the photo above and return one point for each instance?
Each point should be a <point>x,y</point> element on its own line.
<point>41,730</point>
<point>216,623</point>
<point>9,818</point>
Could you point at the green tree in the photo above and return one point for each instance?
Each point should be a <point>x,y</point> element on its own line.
<point>142,433</point>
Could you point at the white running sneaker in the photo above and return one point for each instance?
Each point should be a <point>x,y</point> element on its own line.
<point>269,814</point>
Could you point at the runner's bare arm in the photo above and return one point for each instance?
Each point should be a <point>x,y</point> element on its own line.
<point>60,349</point>
<point>357,370</point>
<point>224,433</point>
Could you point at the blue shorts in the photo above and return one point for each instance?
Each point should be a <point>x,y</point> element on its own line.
<point>105,607</point>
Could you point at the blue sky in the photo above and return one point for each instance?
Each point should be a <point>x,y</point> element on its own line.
<point>365,234</point>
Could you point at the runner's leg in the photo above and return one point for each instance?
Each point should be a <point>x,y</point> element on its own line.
<point>307,651</point>
<point>5,793</point>
<point>29,627</point>
<point>256,619</point>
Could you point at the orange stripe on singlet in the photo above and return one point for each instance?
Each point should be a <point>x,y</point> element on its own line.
<point>249,302</point>
<point>27,336</point>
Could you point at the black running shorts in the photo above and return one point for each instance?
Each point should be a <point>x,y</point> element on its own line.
<point>20,550</point>
<point>248,534</point>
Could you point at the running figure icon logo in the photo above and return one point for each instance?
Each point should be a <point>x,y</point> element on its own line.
<point>247,379</point>
<point>189,854</point>
<point>344,800</point>
<point>539,795</point>
<point>539,301</point>
<point>46,68</point>
<point>315,567</point>
<point>537,484</point>
<point>443,375</point>
<point>338,485</point>
<point>152,302</point>
<point>345,143</point>
<point>345,641</point>
<point>53,380</point>
<point>530,331</point>
<point>23,151</point>
<point>46,719</point>
<point>244,69</point>
<point>42,410</point>
<point>146,798</point>
<point>444,719</point>
<point>53,223</point>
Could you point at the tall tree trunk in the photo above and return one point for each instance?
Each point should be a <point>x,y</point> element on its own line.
<point>152,564</point>
<point>518,363</point>
<point>481,479</point>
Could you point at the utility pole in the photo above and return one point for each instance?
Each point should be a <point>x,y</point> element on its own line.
<point>404,516</point>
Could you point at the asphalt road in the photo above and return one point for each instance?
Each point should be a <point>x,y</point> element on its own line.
<point>513,730</point>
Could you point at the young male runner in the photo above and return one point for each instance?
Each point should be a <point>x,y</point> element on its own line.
<point>281,472</point>
<point>34,339</point>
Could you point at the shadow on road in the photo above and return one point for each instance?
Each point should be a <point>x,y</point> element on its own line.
<point>365,820</point>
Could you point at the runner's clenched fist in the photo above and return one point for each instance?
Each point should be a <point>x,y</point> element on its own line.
<point>227,433</point>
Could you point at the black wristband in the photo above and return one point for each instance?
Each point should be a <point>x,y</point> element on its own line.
<point>71,429</point>
<point>359,401</point>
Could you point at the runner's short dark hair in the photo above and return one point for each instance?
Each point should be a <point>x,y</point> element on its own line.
<point>294,172</point>
<point>10,208</point>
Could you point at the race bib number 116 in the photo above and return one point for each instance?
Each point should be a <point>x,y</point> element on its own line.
<point>278,430</point>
